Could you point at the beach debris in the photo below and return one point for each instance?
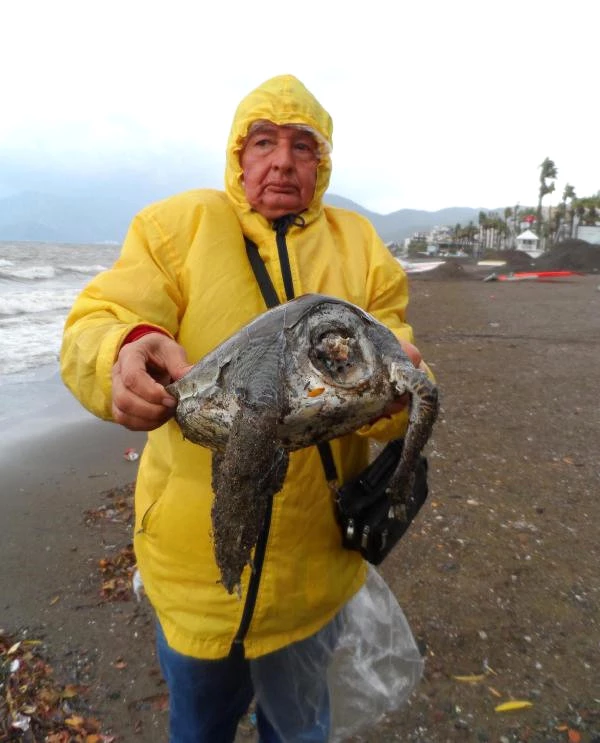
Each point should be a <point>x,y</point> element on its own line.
<point>131,455</point>
<point>33,706</point>
<point>573,736</point>
<point>473,678</point>
<point>305,372</point>
<point>512,706</point>
<point>137,585</point>
<point>117,510</point>
<point>119,581</point>
<point>117,574</point>
<point>156,702</point>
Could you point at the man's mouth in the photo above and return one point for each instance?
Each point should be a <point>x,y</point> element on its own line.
<point>281,187</point>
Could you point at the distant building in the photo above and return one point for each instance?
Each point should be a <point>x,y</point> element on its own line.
<point>528,242</point>
<point>395,248</point>
<point>416,237</point>
<point>589,233</point>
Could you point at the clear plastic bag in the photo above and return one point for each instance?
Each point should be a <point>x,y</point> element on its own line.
<point>366,661</point>
<point>376,665</point>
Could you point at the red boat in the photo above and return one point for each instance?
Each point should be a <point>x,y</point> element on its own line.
<point>531,276</point>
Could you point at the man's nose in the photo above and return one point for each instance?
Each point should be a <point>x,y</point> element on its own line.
<point>283,156</point>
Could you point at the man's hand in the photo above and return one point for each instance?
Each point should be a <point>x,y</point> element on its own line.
<point>412,352</point>
<point>139,400</point>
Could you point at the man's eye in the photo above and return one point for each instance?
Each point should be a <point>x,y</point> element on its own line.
<point>306,149</point>
<point>262,143</point>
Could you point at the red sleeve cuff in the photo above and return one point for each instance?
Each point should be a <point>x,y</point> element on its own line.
<point>141,330</point>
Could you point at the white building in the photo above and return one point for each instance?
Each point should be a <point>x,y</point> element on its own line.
<point>528,242</point>
<point>589,233</point>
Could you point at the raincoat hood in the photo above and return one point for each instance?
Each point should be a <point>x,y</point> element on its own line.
<point>283,100</point>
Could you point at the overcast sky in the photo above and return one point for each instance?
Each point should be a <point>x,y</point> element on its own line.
<point>435,104</point>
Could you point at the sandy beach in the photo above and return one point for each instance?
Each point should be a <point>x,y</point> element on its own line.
<point>498,576</point>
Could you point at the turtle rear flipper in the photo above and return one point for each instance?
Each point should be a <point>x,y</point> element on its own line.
<point>246,475</point>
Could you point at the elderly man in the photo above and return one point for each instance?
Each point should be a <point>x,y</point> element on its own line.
<point>182,284</point>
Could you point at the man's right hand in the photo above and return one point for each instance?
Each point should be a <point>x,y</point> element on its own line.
<point>143,368</point>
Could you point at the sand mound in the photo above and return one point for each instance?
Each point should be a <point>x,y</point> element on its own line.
<point>446,271</point>
<point>516,260</point>
<point>571,255</point>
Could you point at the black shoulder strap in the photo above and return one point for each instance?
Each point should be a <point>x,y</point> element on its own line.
<point>271,300</point>
<point>262,275</point>
<point>281,226</point>
<point>328,463</point>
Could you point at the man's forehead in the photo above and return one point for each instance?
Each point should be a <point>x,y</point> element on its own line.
<point>266,127</point>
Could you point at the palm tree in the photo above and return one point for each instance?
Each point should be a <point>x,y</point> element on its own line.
<point>580,210</point>
<point>556,221</point>
<point>548,173</point>
<point>568,193</point>
<point>510,232</point>
<point>516,225</point>
<point>586,209</point>
<point>502,228</point>
<point>591,216</point>
<point>470,235</point>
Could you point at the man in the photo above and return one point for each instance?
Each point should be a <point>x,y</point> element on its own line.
<point>183,284</point>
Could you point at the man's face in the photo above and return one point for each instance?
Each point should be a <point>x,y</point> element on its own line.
<point>280,169</point>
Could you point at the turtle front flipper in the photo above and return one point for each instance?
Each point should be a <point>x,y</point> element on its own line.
<point>245,476</point>
<point>424,407</point>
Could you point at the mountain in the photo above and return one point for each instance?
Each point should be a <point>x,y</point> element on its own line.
<point>80,218</point>
<point>102,213</point>
<point>398,225</point>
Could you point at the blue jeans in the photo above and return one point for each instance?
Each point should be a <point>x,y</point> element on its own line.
<point>207,698</point>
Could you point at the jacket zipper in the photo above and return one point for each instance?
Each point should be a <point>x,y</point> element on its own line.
<point>281,227</point>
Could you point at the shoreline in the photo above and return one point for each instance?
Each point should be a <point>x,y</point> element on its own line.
<point>46,487</point>
<point>57,460</point>
<point>36,409</point>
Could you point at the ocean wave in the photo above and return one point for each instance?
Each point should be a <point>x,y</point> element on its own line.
<point>38,285</point>
<point>36,303</point>
<point>88,270</point>
<point>44,273</point>
<point>30,343</point>
<point>20,364</point>
<point>30,273</point>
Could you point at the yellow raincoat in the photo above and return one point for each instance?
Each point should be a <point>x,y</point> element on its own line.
<point>184,269</point>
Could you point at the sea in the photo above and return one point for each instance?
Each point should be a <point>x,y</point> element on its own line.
<point>38,284</point>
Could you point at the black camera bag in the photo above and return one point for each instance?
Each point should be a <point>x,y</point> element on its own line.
<point>369,521</point>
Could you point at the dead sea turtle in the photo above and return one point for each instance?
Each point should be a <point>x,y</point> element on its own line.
<point>302,373</point>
